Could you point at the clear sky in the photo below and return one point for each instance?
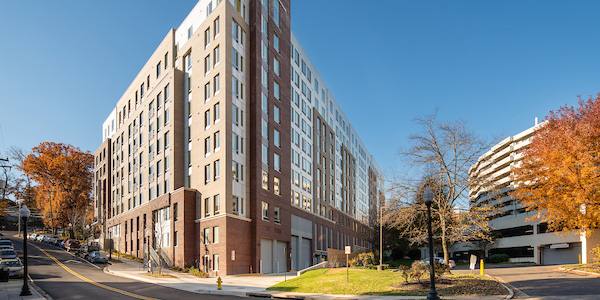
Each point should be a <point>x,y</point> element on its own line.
<point>495,64</point>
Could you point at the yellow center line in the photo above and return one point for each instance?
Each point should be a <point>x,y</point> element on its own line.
<point>126,293</point>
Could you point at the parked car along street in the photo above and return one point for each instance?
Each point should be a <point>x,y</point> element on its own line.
<point>7,254</point>
<point>440,260</point>
<point>15,268</point>
<point>97,257</point>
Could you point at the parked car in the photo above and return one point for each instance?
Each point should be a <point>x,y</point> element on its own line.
<point>32,236</point>
<point>39,237</point>
<point>62,244</point>
<point>97,257</point>
<point>6,243</point>
<point>2,236</point>
<point>440,260</point>
<point>52,240</point>
<point>58,242</point>
<point>2,247</point>
<point>72,245</point>
<point>15,268</point>
<point>7,254</point>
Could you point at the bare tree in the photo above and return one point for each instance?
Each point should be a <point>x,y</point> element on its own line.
<point>440,156</point>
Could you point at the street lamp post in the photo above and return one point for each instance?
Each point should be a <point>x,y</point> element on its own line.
<point>19,202</point>
<point>24,216</point>
<point>381,238</point>
<point>428,198</point>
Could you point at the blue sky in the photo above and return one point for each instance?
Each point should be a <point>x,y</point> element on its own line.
<point>495,64</point>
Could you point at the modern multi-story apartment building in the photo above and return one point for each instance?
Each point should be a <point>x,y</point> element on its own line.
<point>522,239</point>
<point>227,151</point>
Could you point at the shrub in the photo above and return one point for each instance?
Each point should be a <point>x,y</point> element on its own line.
<point>596,253</point>
<point>417,270</point>
<point>353,262</point>
<point>366,258</point>
<point>196,272</point>
<point>497,258</point>
<point>405,273</point>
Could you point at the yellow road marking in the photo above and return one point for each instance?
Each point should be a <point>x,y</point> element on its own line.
<point>126,293</point>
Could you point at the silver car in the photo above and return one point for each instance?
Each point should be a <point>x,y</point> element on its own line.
<point>7,254</point>
<point>15,268</point>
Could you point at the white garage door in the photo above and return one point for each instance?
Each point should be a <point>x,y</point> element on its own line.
<point>561,255</point>
<point>266,255</point>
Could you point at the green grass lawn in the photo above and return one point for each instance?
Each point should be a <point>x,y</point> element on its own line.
<point>373,282</point>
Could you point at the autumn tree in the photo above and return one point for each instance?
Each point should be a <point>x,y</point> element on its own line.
<point>440,157</point>
<point>560,171</point>
<point>64,178</point>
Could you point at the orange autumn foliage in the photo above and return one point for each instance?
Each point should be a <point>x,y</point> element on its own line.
<point>64,174</point>
<point>560,172</point>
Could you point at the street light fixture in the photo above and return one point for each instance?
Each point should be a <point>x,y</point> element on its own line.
<point>24,216</point>
<point>428,198</point>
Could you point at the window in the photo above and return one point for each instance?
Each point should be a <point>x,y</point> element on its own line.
<point>175,212</point>
<point>216,83</point>
<point>166,116</point>
<point>265,129</point>
<point>265,180</point>
<point>276,114</point>
<point>276,90</point>
<point>166,93</point>
<point>276,138</point>
<point>264,25</point>
<point>235,59</point>
<point>206,37</point>
<point>206,236</point>
<point>276,66</point>
<point>235,87</point>
<point>207,118</point>
<point>217,141</point>
<point>265,154</point>
<point>296,57</point>
<point>265,211</point>
<point>174,239</point>
<point>265,53</point>
<point>217,170</point>
<point>217,208</point>
<point>207,147</point>
<point>276,217</point>
<point>207,64</point>
<point>207,206</point>
<point>166,140</point>
<point>215,262</point>
<point>276,162</point>
<point>216,55</point>
<point>188,61</point>
<point>276,186</point>
<point>265,80</point>
<point>206,174</point>
<point>158,69</point>
<point>235,204</point>
<point>217,112</point>
<point>276,12</point>
<point>216,27</point>
<point>276,42</point>
<point>190,32</point>
<point>235,166</point>
<point>166,164</point>
<point>265,103</point>
<point>236,31</point>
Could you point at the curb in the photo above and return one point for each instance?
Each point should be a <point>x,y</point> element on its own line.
<point>580,272</point>
<point>511,293</point>
<point>40,291</point>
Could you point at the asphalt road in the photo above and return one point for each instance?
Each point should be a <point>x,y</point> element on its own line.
<point>68,277</point>
<point>546,282</point>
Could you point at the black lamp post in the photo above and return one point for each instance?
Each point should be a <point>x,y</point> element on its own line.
<point>428,198</point>
<point>24,216</point>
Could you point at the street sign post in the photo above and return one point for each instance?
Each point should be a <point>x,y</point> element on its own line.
<point>472,262</point>
<point>348,249</point>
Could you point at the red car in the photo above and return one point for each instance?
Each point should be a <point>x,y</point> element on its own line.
<point>72,245</point>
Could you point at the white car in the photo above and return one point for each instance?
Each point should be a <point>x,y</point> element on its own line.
<point>39,237</point>
<point>15,268</point>
<point>451,262</point>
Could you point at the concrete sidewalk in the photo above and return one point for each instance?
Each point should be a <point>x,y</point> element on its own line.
<point>250,285</point>
<point>10,291</point>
